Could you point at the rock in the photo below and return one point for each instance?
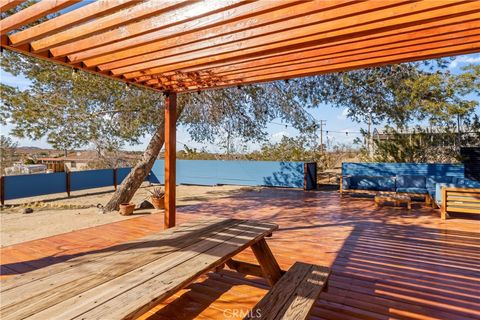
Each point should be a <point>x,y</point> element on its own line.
<point>145,204</point>
<point>27,210</point>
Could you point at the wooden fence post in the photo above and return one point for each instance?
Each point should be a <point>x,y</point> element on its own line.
<point>115,178</point>
<point>68,178</point>
<point>2,190</point>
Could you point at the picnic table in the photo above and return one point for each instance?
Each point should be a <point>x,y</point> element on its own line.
<point>126,280</point>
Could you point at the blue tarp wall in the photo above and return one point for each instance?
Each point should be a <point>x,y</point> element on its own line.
<point>392,169</point>
<point>199,172</point>
<point>34,185</point>
<point>245,173</point>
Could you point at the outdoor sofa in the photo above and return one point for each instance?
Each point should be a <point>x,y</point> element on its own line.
<point>430,185</point>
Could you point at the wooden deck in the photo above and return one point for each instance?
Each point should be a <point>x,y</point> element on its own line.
<point>386,262</point>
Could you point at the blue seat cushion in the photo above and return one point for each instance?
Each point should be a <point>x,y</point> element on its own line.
<point>433,180</point>
<point>413,190</point>
<point>411,181</point>
<point>372,183</point>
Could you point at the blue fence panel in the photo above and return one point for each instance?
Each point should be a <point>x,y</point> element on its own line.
<point>34,185</point>
<point>392,169</point>
<point>249,173</point>
<point>81,180</point>
<point>122,174</point>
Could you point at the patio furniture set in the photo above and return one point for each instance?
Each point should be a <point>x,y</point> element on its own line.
<point>125,281</point>
<point>443,186</point>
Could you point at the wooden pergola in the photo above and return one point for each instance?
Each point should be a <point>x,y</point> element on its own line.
<point>180,46</point>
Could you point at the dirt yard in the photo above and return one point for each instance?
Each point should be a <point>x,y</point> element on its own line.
<point>55,214</point>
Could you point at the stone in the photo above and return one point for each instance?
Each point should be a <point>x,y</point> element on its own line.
<point>145,204</point>
<point>27,210</point>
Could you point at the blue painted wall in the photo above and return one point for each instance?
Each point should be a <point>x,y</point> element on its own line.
<point>246,173</point>
<point>392,169</point>
<point>34,185</point>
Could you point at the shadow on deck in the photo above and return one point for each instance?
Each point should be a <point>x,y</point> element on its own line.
<point>386,262</point>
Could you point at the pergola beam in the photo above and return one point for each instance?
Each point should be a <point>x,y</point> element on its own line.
<point>33,13</point>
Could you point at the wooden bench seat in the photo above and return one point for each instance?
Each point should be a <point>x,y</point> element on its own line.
<point>293,296</point>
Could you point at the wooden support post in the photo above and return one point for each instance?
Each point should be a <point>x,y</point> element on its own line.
<point>2,190</point>
<point>170,158</point>
<point>68,178</point>
<point>115,178</point>
<point>270,268</point>
<point>443,208</point>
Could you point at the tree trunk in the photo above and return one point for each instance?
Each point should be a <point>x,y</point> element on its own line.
<point>139,172</point>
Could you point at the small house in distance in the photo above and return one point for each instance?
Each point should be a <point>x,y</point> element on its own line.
<point>61,164</point>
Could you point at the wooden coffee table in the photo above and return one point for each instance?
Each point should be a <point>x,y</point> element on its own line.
<point>396,199</point>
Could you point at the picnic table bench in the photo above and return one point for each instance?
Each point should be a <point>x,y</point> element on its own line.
<point>126,280</point>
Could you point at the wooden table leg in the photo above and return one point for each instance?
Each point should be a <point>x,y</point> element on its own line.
<point>270,268</point>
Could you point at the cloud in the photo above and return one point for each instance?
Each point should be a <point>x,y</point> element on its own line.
<point>467,59</point>
<point>344,114</point>
<point>277,137</point>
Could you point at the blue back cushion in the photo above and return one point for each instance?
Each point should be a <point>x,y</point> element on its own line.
<point>372,183</point>
<point>432,180</point>
<point>411,181</point>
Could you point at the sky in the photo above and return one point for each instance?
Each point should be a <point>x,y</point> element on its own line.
<point>337,124</point>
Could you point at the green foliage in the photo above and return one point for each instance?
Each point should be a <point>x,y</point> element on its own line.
<point>442,98</point>
<point>75,109</point>
<point>438,145</point>
<point>8,153</point>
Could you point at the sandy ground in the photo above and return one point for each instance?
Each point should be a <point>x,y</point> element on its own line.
<point>55,214</point>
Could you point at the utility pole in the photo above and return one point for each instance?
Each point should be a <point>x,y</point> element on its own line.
<point>322,123</point>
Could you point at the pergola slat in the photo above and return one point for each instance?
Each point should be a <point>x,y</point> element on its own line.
<point>346,28</point>
<point>353,57</point>
<point>252,37</point>
<point>139,11</point>
<point>405,42</point>
<point>436,27</point>
<point>197,29</point>
<point>90,11</point>
<point>6,5</point>
<point>194,9</point>
<point>33,13</point>
<point>352,65</point>
<point>240,75</point>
